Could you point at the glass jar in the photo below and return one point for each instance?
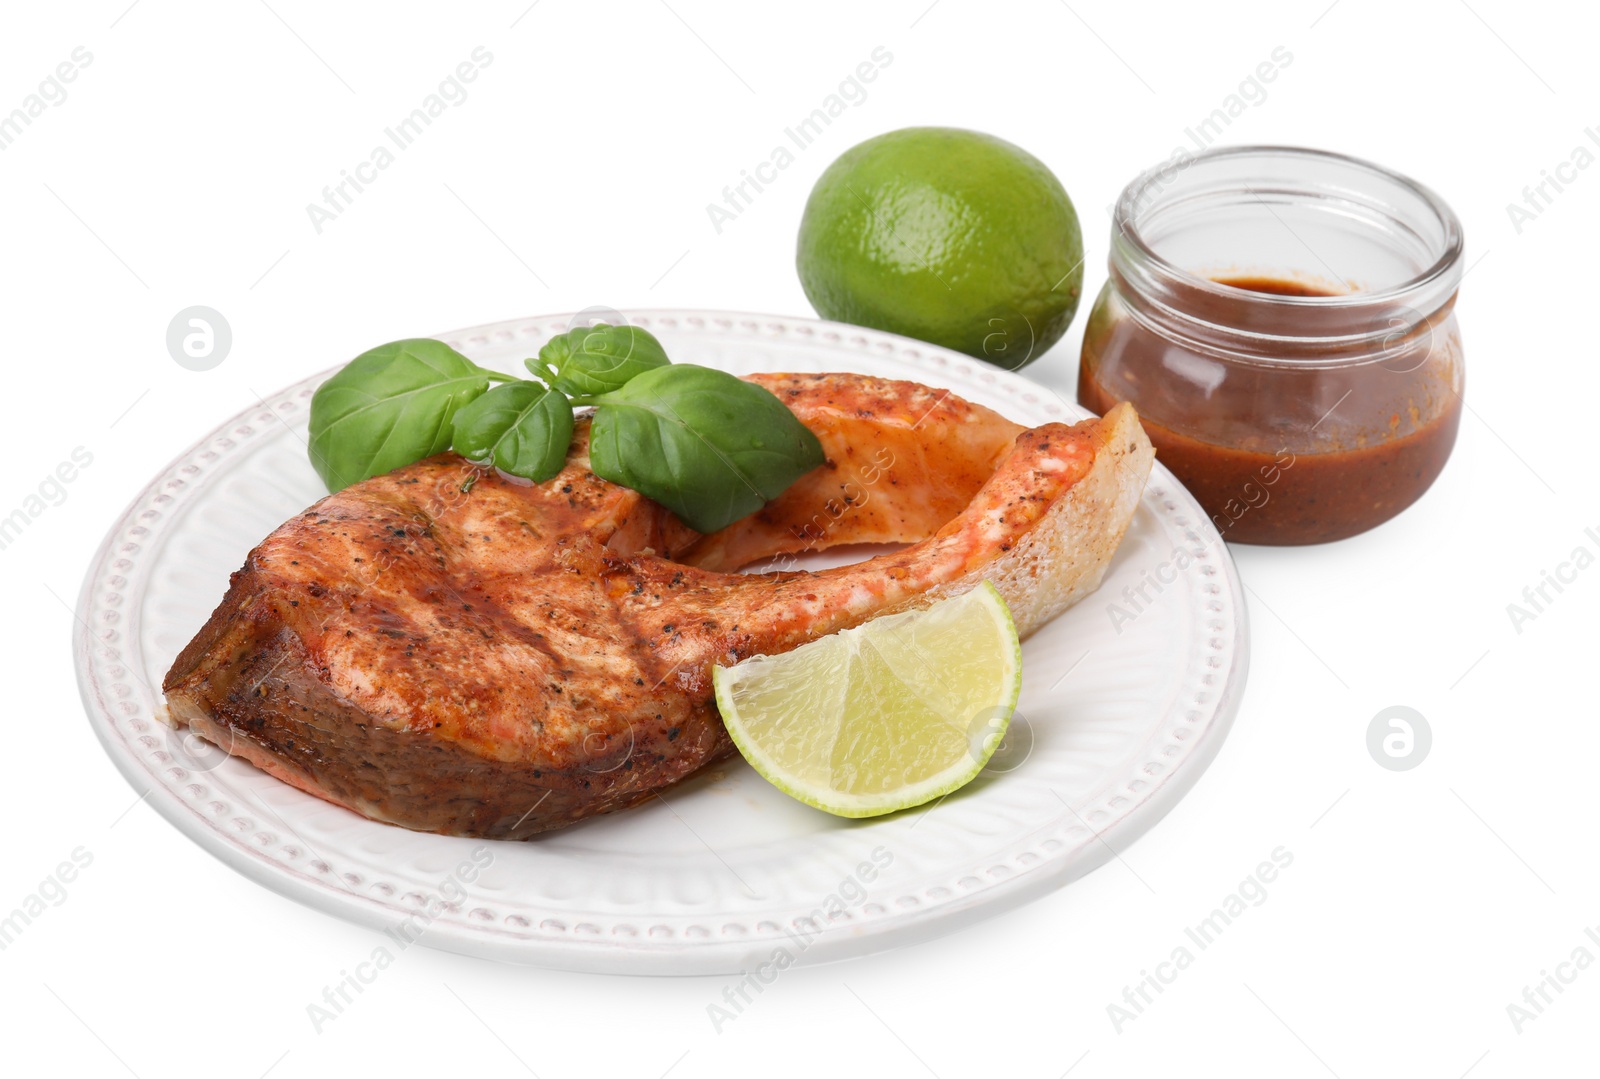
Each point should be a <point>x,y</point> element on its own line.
<point>1283,321</point>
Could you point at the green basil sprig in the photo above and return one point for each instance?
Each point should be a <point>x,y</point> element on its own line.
<point>388,407</point>
<point>710,447</point>
<point>597,359</point>
<point>525,428</point>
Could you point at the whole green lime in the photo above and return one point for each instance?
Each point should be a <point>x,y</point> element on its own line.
<point>953,237</point>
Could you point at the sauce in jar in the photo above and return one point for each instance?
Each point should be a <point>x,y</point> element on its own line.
<point>1295,411</point>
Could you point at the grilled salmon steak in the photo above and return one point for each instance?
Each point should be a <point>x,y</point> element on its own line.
<point>454,651</point>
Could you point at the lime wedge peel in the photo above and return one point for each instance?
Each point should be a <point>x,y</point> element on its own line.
<point>892,714</point>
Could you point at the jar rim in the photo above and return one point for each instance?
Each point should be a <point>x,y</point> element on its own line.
<point>1425,292</point>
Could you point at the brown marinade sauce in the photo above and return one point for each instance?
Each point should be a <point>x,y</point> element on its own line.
<point>1257,491</point>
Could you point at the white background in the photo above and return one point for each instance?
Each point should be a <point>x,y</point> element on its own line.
<point>1419,904</point>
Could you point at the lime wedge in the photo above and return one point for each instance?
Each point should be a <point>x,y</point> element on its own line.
<point>891,714</point>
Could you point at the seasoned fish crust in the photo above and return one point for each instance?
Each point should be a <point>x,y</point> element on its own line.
<point>455,651</point>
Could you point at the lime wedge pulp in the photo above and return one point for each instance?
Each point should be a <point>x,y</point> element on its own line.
<point>889,715</point>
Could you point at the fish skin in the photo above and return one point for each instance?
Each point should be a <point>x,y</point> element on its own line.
<point>452,650</point>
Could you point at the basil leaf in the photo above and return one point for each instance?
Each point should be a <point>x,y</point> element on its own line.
<point>710,447</point>
<point>524,428</point>
<point>597,359</point>
<point>388,407</point>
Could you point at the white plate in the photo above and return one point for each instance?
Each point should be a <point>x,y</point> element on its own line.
<point>727,874</point>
